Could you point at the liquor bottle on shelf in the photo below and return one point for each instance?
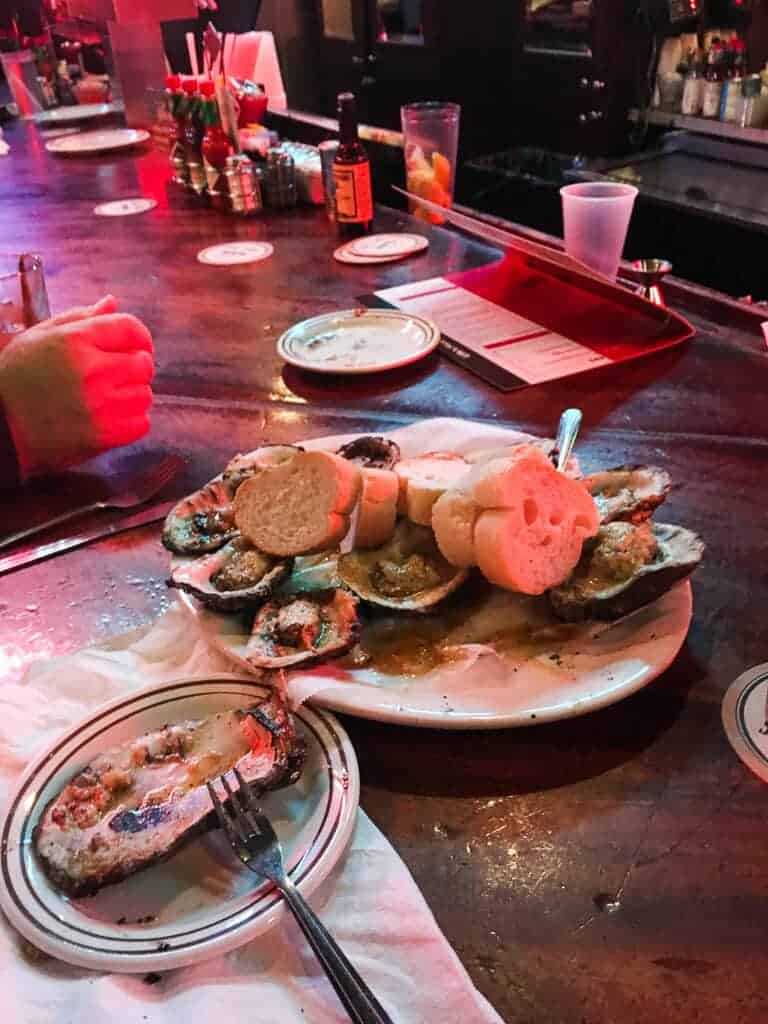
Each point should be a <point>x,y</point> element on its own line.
<point>193,136</point>
<point>215,147</point>
<point>713,81</point>
<point>692,87</point>
<point>730,99</point>
<point>351,174</point>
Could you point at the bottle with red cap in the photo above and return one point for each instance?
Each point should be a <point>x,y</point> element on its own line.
<point>176,107</point>
<point>193,135</point>
<point>216,146</point>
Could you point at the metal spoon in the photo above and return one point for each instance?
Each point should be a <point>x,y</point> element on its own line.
<point>567,431</point>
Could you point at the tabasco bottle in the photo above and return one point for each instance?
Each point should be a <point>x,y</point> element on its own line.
<point>193,136</point>
<point>216,146</point>
<point>351,174</point>
<point>176,107</point>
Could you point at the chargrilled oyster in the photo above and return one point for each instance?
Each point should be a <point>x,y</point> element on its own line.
<point>241,467</point>
<point>371,452</point>
<point>628,493</point>
<point>137,803</point>
<point>407,572</point>
<point>236,576</point>
<point>625,567</point>
<point>303,629</point>
<point>203,521</point>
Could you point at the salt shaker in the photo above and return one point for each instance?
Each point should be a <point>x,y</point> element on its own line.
<point>280,180</point>
<point>243,185</point>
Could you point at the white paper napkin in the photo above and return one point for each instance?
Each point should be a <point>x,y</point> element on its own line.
<point>369,902</point>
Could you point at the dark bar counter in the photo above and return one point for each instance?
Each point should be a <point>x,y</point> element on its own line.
<point>522,841</point>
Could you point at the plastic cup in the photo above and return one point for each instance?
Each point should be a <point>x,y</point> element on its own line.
<point>430,142</point>
<point>596,217</point>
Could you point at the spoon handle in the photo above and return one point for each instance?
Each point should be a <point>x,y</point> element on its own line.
<point>567,431</point>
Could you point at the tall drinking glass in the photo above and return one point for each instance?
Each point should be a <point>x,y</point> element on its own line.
<point>23,295</point>
<point>596,217</point>
<point>430,141</point>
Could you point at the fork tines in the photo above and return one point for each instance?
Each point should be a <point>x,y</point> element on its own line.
<point>243,824</point>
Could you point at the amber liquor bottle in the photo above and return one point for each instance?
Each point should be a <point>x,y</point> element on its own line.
<point>351,174</point>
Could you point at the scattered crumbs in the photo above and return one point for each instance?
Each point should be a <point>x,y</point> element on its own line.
<point>533,716</point>
<point>152,978</point>
<point>653,636</point>
<point>556,658</point>
<point>163,947</point>
<point>121,920</point>
<point>145,920</point>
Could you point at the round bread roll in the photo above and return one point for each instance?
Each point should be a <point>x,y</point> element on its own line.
<point>377,511</point>
<point>298,506</point>
<point>423,479</point>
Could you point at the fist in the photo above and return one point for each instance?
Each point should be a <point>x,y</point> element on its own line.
<point>76,385</point>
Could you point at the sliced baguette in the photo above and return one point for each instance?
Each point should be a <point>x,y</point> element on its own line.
<point>454,515</point>
<point>299,506</point>
<point>377,511</point>
<point>528,522</point>
<point>423,479</point>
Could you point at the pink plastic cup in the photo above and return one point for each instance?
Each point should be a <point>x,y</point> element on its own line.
<point>596,217</point>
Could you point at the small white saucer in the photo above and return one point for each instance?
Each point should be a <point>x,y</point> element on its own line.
<point>745,721</point>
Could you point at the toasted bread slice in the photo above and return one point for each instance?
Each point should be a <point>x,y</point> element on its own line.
<point>377,510</point>
<point>299,506</point>
<point>423,479</point>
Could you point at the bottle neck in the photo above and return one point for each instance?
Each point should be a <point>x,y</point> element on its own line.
<point>348,133</point>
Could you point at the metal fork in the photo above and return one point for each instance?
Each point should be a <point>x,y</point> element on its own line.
<point>254,841</point>
<point>139,490</point>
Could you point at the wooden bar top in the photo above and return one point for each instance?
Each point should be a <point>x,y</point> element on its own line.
<point>609,869</point>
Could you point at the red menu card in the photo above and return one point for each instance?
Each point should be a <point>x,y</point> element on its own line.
<point>535,315</point>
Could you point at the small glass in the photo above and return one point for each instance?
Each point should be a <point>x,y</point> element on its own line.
<point>596,216</point>
<point>430,142</point>
<point>23,295</point>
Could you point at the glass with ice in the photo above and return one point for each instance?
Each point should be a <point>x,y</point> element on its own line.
<point>23,296</point>
<point>430,141</point>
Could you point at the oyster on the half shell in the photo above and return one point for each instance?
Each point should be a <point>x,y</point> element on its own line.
<point>625,567</point>
<point>203,521</point>
<point>371,451</point>
<point>628,493</point>
<point>407,572</point>
<point>236,576</point>
<point>303,629</point>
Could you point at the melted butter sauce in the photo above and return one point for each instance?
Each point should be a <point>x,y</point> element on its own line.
<point>414,644</point>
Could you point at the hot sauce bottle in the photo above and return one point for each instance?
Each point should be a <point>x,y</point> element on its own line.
<point>351,174</point>
<point>216,146</point>
<point>176,107</point>
<point>193,136</point>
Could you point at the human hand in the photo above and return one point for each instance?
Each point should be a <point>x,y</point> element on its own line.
<point>75,385</point>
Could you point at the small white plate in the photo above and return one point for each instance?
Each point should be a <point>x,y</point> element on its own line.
<point>358,341</point>
<point>343,255</point>
<point>387,245</point>
<point>76,112</point>
<point>201,902</point>
<point>745,719</point>
<point>97,142</point>
<point>124,207</point>
<point>231,254</point>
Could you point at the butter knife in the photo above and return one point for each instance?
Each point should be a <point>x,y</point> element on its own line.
<point>28,556</point>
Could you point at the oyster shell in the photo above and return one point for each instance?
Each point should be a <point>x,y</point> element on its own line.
<point>241,467</point>
<point>303,629</point>
<point>203,521</point>
<point>407,572</point>
<point>371,452</point>
<point>137,803</point>
<point>625,567</point>
<point>236,576</point>
<point>628,493</point>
